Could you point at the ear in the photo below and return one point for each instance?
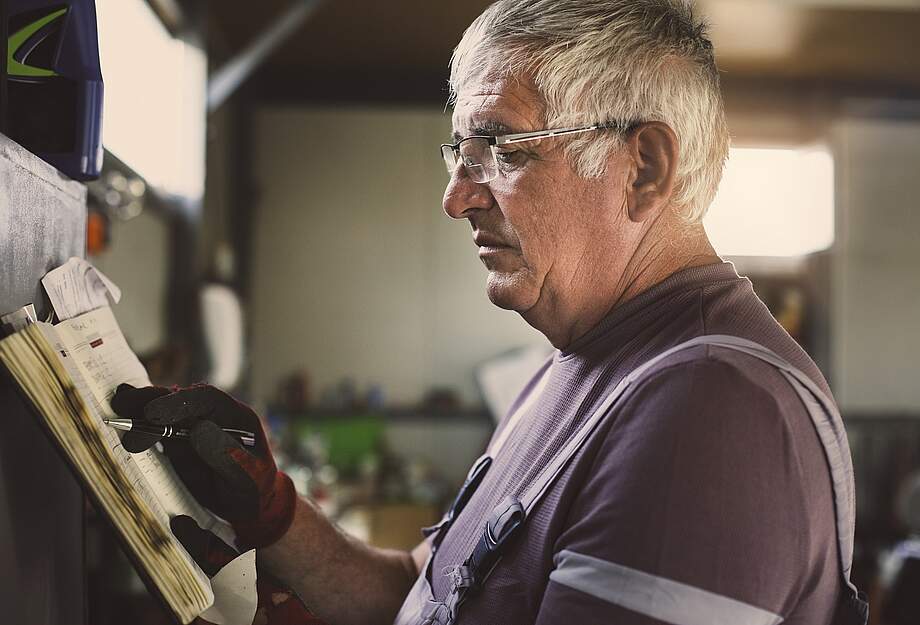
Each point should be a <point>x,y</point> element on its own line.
<point>654,150</point>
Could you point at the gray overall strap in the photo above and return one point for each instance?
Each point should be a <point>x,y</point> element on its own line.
<point>821,409</point>
<point>829,426</point>
<point>549,474</point>
<point>477,568</point>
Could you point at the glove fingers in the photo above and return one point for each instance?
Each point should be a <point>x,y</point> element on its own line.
<point>136,442</point>
<point>209,551</point>
<point>213,446</point>
<point>201,402</point>
<point>129,402</point>
<point>216,493</point>
<point>205,402</point>
<point>195,474</point>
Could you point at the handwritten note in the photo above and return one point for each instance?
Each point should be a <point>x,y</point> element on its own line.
<point>76,287</point>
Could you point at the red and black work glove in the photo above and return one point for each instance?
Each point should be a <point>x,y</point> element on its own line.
<point>242,485</point>
<point>276,604</point>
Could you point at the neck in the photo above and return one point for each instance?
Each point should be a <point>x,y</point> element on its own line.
<point>665,248</point>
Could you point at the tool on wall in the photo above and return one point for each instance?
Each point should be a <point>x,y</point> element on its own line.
<point>53,83</point>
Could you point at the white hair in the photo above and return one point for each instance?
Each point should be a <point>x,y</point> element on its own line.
<point>624,61</point>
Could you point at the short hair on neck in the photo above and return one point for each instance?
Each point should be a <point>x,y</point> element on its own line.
<point>611,60</point>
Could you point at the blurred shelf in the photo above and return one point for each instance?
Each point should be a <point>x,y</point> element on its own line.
<point>471,415</point>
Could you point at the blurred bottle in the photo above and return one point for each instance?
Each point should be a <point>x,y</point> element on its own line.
<point>375,398</point>
<point>294,392</point>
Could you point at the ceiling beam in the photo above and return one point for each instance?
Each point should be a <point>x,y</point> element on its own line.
<point>234,73</point>
<point>171,14</point>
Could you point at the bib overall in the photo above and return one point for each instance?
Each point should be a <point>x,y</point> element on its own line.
<point>421,607</point>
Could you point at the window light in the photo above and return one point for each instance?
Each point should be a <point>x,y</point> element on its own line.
<point>774,202</point>
<point>154,113</point>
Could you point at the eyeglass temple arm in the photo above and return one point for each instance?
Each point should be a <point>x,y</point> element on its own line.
<point>544,134</point>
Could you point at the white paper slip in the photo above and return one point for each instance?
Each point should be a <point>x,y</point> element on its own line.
<point>235,598</point>
<point>76,287</point>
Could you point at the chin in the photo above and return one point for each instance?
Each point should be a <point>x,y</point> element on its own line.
<point>512,291</point>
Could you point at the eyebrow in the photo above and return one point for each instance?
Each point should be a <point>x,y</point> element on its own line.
<point>489,128</point>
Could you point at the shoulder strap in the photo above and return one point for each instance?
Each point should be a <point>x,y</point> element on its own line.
<point>852,609</point>
<point>829,426</point>
<point>511,514</point>
<point>549,474</point>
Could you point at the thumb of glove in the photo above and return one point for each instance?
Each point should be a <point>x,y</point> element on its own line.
<point>210,552</point>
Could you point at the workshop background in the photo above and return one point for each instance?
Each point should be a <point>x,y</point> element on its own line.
<point>270,207</point>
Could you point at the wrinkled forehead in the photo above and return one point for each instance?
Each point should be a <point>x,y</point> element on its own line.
<point>493,104</point>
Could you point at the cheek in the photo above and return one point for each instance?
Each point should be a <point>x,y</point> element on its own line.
<point>532,220</point>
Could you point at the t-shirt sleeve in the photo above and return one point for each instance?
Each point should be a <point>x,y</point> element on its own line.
<point>691,513</point>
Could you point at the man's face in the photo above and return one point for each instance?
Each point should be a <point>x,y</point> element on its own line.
<point>540,227</point>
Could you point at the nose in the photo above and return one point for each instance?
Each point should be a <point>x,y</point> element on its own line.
<point>463,196</point>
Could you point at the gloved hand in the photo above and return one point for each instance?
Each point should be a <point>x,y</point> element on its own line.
<point>242,486</point>
<point>276,604</point>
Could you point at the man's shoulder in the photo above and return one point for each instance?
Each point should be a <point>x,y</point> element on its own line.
<point>710,464</point>
<point>708,378</point>
<point>729,376</point>
<point>706,368</point>
<point>733,308</point>
<point>716,364</point>
<point>706,396</point>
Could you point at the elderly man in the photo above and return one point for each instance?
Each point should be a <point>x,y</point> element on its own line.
<point>678,459</point>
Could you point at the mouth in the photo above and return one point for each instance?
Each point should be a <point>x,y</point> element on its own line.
<point>488,242</point>
<point>494,252</point>
<point>490,246</point>
<point>486,251</point>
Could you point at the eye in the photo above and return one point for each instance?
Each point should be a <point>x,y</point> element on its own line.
<point>508,157</point>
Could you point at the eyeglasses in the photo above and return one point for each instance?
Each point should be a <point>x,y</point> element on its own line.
<point>479,152</point>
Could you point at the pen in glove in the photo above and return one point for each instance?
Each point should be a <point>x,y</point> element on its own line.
<point>167,431</point>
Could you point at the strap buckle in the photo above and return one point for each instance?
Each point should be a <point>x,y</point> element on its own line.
<point>506,520</point>
<point>460,577</point>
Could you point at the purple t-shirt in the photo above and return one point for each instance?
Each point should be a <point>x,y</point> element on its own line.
<point>705,496</point>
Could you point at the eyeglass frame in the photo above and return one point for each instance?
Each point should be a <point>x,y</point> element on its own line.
<point>520,137</point>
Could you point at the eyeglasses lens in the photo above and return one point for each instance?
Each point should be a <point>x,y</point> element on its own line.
<point>477,157</point>
<point>450,159</point>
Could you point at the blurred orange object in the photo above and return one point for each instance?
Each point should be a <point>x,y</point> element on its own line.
<point>97,233</point>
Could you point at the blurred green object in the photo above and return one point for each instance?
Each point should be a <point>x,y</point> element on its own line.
<point>348,439</point>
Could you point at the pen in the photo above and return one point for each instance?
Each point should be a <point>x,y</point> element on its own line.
<point>167,431</point>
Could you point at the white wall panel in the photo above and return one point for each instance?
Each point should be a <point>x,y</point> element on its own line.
<point>876,310</point>
<point>356,271</point>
